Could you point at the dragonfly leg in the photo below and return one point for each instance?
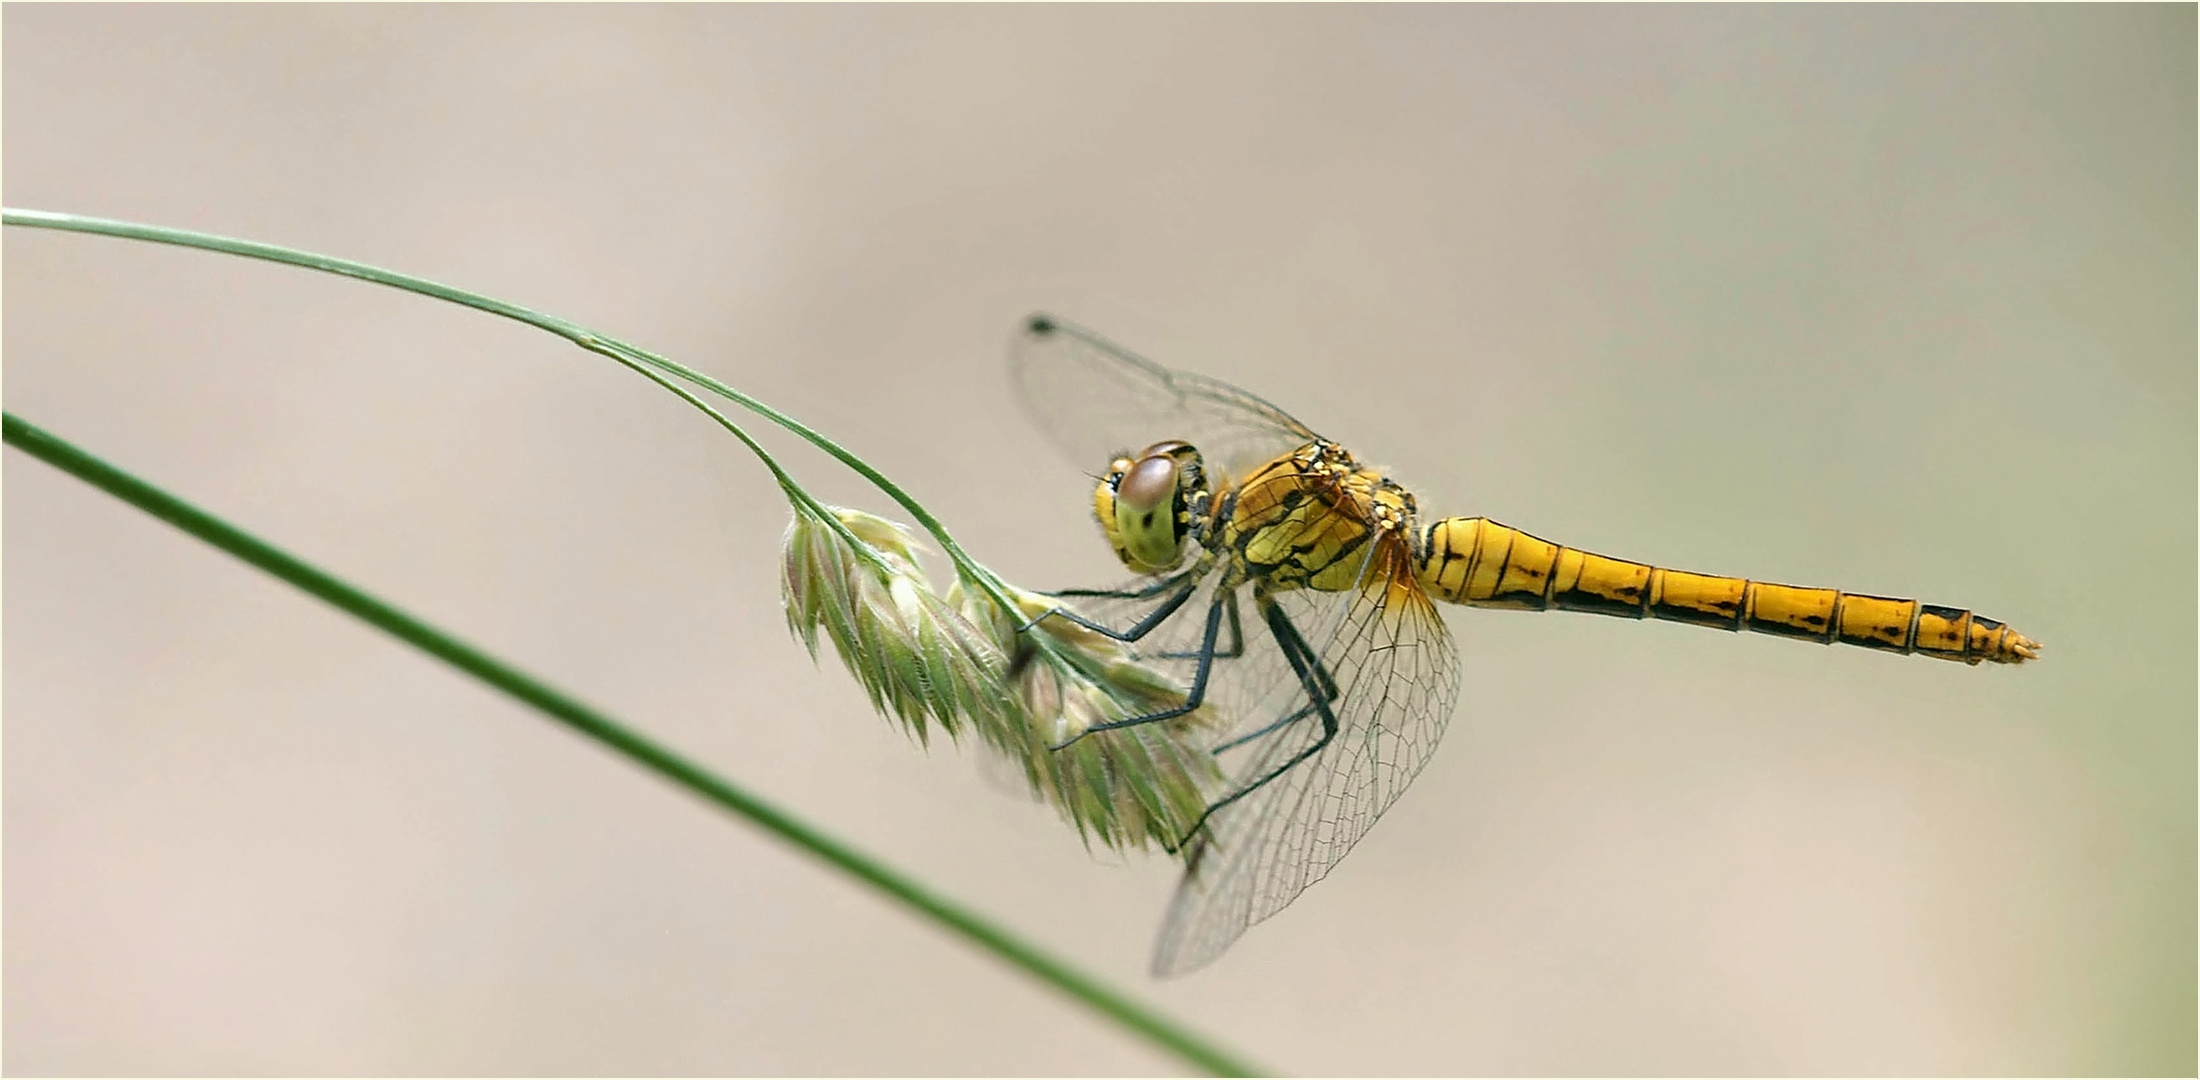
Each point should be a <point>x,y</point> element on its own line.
<point>1321,692</point>
<point>1314,701</point>
<point>1237,637</point>
<point>1288,719</point>
<point>1145,626</point>
<point>1159,586</point>
<point>1185,584</point>
<point>1192,697</point>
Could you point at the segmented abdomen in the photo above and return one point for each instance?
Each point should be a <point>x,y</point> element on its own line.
<point>1480,562</point>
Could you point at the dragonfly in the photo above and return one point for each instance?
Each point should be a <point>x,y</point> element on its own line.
<point>1292,587</point>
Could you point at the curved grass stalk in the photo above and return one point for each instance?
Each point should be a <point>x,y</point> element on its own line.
<point>798,495</point>
<point>601,344</point>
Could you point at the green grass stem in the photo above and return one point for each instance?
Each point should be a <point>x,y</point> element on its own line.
<point>600,344</point>
<point>619,738</point>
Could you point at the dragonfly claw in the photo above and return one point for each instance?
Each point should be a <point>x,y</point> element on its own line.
<point>1025,626</point>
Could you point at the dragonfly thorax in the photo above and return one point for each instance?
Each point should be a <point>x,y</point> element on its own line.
<point>1318,519</point>
<point>1150,503</point>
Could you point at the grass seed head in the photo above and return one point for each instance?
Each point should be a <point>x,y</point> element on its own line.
<point>1032,686</point>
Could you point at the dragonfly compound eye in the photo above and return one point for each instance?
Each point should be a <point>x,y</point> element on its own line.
<point>1144,513</point>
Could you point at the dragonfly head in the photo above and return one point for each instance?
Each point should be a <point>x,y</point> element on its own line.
<point>1149,504</point>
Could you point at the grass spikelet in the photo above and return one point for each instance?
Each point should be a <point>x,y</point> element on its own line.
<point>919,661</point>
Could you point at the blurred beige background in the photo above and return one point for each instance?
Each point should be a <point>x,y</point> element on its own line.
<point>1894,299</point>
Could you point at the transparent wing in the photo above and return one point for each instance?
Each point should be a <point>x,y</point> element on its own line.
<point>1396,677</point>
<point>1095,400</point>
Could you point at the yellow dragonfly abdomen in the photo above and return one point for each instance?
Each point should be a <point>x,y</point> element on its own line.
<point>1478,562</point>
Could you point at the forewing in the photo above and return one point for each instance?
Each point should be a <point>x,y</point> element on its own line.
<point>1095,400</point>
<point>1397,679</point>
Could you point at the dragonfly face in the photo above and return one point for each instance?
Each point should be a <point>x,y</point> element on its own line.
<point>1151,504</point>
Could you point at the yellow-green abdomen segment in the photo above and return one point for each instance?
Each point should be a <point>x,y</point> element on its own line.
<point>1482,563</point>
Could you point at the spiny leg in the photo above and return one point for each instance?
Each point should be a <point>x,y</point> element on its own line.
<point>1160,585</point>
<point>1185,583</point>
<point>1320,692</point>
<point>1154,618</point>
<point>1192,697</point>
<point>1313,701</point>
<point>1237,636</point>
